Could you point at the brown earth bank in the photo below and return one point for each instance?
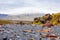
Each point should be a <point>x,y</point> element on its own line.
<point>14,22</point>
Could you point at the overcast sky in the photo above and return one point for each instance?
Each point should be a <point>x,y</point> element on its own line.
<point>29,6</point>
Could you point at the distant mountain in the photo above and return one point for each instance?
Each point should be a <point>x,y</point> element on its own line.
<point>29,16</point>
<point>3,16</point>
<point>23,17</point>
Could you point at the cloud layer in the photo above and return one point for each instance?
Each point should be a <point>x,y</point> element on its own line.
<point>29,6</point>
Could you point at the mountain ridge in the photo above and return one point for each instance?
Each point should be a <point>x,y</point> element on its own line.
<point>20,16</point>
